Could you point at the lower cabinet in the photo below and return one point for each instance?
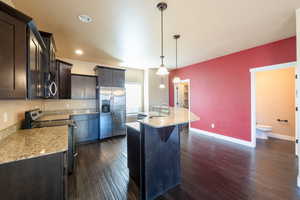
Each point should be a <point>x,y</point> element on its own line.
<point>87,127</point>
<point>36,178</point>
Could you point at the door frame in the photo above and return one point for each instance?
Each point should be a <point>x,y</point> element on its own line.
<point>188,81</point>
<point>253,98</point>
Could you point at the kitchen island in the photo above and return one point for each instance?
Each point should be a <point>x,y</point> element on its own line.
<point>153,145</point>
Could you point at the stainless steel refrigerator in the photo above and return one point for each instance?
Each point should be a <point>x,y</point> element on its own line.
<point>112,107</point>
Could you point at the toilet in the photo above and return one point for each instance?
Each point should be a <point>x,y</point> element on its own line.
<point>262,130</point>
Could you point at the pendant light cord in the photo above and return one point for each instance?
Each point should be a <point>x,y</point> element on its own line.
<point>176,54</point>
<point>162,38</point>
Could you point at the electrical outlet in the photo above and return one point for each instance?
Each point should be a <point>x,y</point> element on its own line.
<point>5,117</point>
<point>212,125</point>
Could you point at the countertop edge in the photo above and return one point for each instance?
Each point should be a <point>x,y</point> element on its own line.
<point>22,159</point>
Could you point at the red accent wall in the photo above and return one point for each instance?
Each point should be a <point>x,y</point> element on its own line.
<point>220,88</point>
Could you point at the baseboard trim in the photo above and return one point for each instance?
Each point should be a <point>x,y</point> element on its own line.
<point>223,137</point>
<point>280,136</point>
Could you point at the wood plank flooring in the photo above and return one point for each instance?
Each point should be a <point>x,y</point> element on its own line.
<point>211,170</point>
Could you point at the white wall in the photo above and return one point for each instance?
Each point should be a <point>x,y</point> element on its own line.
<point>81,67</point>
<point>298,86</point>
<point>154,95</point>
<point>135,76</point>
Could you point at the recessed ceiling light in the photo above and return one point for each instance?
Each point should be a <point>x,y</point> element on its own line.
<point>78,51</point>
<point>85,18</point>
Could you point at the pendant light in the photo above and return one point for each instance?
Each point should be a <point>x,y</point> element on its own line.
<point>162,70</point>
<point>176,79</point>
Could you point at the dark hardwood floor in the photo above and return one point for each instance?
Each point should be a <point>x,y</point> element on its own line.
<point>211,170</point>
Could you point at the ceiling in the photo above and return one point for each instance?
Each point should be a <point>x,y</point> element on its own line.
<point>127,33</point>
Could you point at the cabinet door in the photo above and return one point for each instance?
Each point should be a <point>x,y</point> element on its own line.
<point>35,178</point>
<point>77,87</point>
<point>13,58</point>
<point>64,73</point>
<point>118,78</point>
<point>83,87</point>
<point>34,79</point>
<point>87,127</point>
<point>52,64</point>
<point>93,127</point>
<point>81,133</point>
<point>105,76</point>
<point>106,126</point>
<point>90,87</point>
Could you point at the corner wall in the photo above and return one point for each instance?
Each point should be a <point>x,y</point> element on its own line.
<point>220,88</point>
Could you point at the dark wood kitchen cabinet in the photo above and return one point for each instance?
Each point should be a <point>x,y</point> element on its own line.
<point>87,127</point>
<point>110,77</point>
<point>83,86</point>
<point>50,72</point>
<point>35,68</point>
<point>18,55</point>
<point>64,79</point>
<point>118,78</point>
<point>50,58</point>
<point>36,178</point>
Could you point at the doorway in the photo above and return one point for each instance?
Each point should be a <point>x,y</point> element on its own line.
<point>278,120</point>
<point>257,74</point>
<point>182,95</point>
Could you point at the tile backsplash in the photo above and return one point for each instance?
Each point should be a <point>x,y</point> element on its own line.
<point>52,105</point>
<point>12,111</point>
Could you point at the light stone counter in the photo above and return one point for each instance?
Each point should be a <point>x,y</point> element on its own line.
<point>61,115</point>
<point>177,116</point>
<point>30,143</point>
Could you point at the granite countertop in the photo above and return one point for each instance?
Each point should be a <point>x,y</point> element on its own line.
<point>177,116</point>
<point>134,125</point>
<point>61,115</point>
<point>30,143</point>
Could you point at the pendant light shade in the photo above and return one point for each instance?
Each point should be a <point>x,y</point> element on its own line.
<point>162,70</point>
<point>176,79</point>
<point>162,86</point>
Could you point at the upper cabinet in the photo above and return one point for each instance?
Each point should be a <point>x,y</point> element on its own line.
<point>64,79</point>
<point>50,72</point>
<point>21,49</point>
<point>50,64</point>
<point>118,78</point>
<point>35,68</point>
<point>110,77</point>
<point>83,86</point>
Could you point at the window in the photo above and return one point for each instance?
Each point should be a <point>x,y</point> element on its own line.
<point>133,97</point>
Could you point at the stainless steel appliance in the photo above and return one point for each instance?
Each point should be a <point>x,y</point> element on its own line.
<point>112,107</point>
<point>32,120</point>
<point>50,87</point>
